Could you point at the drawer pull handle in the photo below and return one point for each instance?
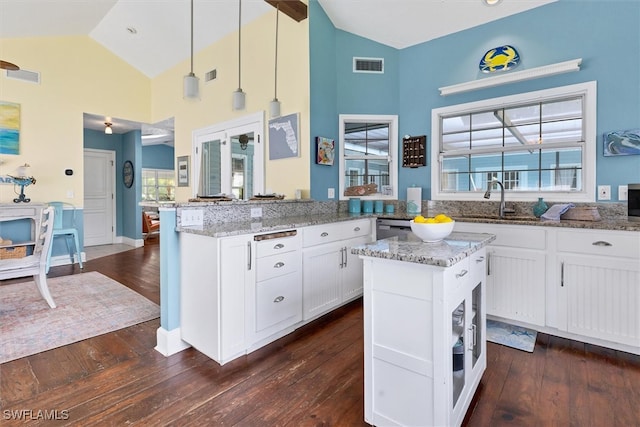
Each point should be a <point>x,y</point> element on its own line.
<point>601,243</point>
<point>324,234</point>
<point>279,299</point>
<point>462,273</point>
<point>278,246</point>
<point>356,229</point>
<point>278,265</point>
<point>479,259</point>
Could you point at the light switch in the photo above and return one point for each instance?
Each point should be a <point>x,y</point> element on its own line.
<point>623,192</point>
<point>331,193</point>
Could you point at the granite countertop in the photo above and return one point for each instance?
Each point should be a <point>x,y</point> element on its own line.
<point>267,225</point>
<point>410,248</point>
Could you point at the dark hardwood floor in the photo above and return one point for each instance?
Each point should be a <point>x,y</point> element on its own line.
<point>312,377</point>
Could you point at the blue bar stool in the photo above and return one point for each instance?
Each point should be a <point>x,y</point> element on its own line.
<point>65,228</point>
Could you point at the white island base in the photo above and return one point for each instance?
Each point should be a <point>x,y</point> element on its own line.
<point>416,316</point>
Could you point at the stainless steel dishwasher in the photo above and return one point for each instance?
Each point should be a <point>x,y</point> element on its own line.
<point>392,227</point>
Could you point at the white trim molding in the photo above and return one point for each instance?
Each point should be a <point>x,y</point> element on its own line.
<point>513,77</point>
<point>169,342</point>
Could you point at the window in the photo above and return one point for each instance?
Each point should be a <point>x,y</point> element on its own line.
<point>538,144</point>
<point>158,185</point>
<point>368,154</point>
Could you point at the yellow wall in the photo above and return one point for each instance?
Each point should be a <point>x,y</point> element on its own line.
<point>257,80</point>
<point>78,76</point>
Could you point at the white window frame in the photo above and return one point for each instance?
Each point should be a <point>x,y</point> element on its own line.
<point>392,158</point>
<point>155,172</point>
<point>589,149</point>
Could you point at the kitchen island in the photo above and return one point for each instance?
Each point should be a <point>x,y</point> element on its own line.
<point>424,327</point>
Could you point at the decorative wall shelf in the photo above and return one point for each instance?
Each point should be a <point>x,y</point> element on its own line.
<point>513,77</point>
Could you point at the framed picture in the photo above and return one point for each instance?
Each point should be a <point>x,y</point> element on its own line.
<point>183,171</point>
<point>622,143</point>
<point>325,150</point>
<point>9,128</point>
<point>284,141</point>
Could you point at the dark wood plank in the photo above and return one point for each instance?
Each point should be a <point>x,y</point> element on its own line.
<point>312,377</point>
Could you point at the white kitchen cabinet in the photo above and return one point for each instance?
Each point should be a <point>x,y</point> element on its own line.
<point>415,315</point>
<point>215,276</point>
<point>332,275</point>
<point>599,284</point>
<point>516,271</point>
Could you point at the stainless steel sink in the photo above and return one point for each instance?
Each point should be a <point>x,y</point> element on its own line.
<point>507,218</point>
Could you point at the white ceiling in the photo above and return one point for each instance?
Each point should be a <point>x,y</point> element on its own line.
<point>162,37</point>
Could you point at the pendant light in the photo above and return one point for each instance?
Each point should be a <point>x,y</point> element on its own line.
<point>191,82</point>
<point>239,95</point>
<point>274,105</point>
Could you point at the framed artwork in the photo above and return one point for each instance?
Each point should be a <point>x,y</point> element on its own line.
<point>325,150</point>
<point>127,174</point>
<point>622,143</point>
<point>183,171</point>
<point>284,141</point>
<point>9,128</point>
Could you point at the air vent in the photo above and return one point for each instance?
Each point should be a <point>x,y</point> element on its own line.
<point>210,75</point>
<point>25,75</point>
<point>368,65</point>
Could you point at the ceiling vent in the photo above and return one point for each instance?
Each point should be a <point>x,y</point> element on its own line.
<point>210,75</point>
<point>368,65</point>
<point>24,75</point>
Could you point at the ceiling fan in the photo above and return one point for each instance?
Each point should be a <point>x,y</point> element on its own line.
<point>8,66</point>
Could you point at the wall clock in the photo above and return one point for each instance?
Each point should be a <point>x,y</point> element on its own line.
<point>127,174</point>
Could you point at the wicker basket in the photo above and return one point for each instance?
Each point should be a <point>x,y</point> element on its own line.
<point>588,213</point>
<point>13,252</point>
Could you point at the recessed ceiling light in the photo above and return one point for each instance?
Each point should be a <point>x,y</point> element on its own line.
<point>491,2</point>
<point>132,30</point>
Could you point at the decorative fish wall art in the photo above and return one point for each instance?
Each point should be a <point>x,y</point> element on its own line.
<point>622,143</point>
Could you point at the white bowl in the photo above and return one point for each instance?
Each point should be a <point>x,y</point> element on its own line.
<point>433,232</point>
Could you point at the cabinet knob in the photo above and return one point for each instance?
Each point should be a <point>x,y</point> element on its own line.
<point>278,246</point>
<point>356,229</point>
<point>278,264</point>
<point>278,299</point>
<point>324,234</point>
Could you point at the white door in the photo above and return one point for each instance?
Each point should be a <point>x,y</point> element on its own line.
<point>99,176</point>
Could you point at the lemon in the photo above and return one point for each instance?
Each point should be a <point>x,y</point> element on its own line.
<point>419,219</point>
<point>440,217</point>
<point>430,221</point>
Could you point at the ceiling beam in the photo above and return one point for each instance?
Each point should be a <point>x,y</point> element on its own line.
<point>295,9</point>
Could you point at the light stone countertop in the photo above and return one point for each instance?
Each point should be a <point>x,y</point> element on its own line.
<point>410,248</point>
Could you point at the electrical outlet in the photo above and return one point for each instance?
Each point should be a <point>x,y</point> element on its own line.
<point>192,217</point>
<point>623,192</point>
<point>604,192</point>
<point>331,193</point>
<point>256,212</point>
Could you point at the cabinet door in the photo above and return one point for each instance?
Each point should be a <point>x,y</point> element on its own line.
<point>321,279</point>
<point>352,270</point>
<point>516,284</point>
<point>236,274</point>
<point>602,297</point>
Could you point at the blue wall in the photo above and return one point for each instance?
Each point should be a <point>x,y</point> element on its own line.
<point>567,29</point>
<point>157,156</point>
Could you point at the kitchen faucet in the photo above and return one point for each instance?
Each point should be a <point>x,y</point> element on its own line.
<point>502,210</point>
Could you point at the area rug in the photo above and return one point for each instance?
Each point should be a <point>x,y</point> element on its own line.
<point>88,304</point>
<point>510,335</point>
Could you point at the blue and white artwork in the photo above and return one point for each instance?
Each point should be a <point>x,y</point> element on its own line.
<point>283,137</point>
<point>622,143</point>
<point>9,128</point>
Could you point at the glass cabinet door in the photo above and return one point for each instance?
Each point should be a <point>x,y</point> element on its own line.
<point>458,351</point>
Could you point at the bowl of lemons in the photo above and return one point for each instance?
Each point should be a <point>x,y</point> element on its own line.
<point>432,229</point>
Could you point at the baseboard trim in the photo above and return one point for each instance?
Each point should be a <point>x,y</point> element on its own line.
<point>169,342</point>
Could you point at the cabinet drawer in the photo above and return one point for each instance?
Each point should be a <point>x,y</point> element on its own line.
<point>516,236</point>
<point>270,247</point>
<point>608,243</point>
<point>318,234</point>
<point>458,275</point>
<point>357,228</point>
<point>278,265</point>
<point>278,299</point>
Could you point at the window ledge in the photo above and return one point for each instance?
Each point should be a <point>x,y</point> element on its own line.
<point>513,77</point>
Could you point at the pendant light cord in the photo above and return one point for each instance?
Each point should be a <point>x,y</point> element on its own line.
<point>191,37</point>
<point>275,90</point>
<point>239,41</point>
